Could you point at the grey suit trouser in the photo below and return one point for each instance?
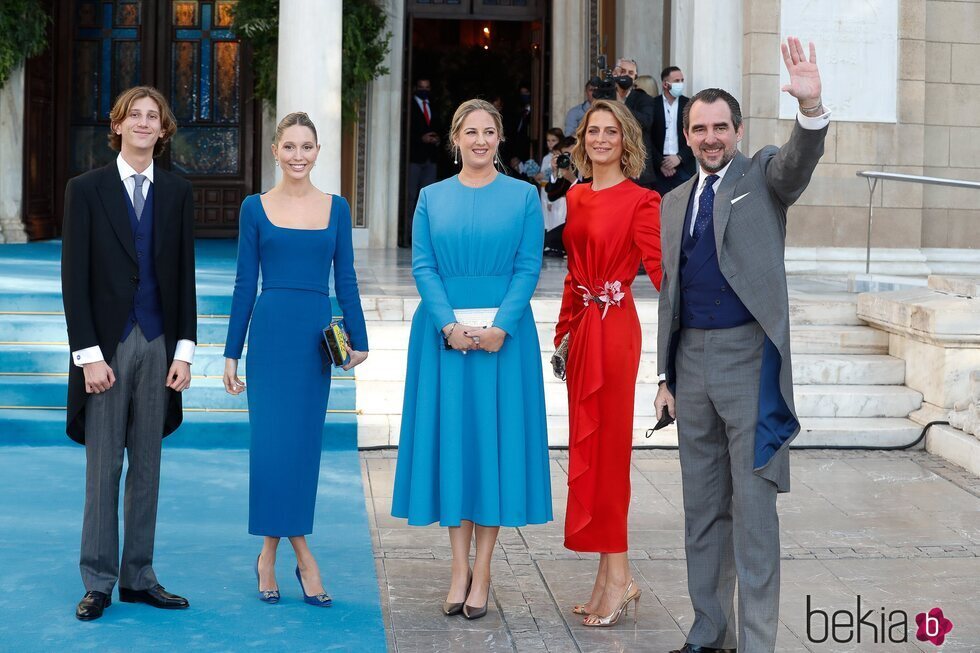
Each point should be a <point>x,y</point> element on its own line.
<point>731,525</point>
<point>129,416</point>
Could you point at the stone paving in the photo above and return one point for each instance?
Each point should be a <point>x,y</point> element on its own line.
<point>900,530</point>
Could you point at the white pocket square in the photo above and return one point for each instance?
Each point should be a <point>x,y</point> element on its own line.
<point>741,196</point>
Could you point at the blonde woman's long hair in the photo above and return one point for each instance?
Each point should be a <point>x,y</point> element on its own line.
<point>634,150</point>
<point>465,109</point>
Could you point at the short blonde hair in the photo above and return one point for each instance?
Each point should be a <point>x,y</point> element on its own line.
<point>168,124</point>
<point>634,150</point>
<point>464,110</point>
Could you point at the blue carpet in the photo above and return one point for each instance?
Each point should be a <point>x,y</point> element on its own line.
<point>202,552</point>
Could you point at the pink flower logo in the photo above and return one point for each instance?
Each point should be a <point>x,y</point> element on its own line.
<point>933,626</point>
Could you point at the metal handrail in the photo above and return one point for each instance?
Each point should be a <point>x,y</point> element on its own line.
<point>873,176</point>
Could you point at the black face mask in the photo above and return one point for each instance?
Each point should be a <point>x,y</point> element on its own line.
<point>525,98</point>
<point>422,94</point>
<point>624,82</point>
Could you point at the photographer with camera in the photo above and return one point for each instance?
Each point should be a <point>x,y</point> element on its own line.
<point>576,113</point>
<point>564,175</point>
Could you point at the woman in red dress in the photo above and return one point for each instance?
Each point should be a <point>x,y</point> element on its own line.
<point>612,224</point>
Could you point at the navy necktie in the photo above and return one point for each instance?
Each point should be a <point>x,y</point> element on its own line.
<point>706,206</point>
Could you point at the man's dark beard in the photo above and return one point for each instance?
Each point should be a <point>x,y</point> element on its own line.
<point>725,160</point>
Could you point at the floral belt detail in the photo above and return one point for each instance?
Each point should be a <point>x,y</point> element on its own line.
<point>610,295</point>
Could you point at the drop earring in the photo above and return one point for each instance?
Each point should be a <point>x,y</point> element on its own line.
<point>277,163</point>
<point>456,156</point>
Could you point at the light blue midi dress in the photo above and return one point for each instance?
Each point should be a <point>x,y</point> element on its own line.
<point>473,442</point>
<point>288,377</point>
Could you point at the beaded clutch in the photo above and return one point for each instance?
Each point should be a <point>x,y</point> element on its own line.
<point>560,358</point>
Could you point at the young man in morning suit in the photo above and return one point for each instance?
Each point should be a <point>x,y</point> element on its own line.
<point>724,352</point>
<point>127,275</point>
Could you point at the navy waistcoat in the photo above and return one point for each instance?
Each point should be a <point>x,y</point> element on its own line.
<point>147,310</point>
<point>707,301</point>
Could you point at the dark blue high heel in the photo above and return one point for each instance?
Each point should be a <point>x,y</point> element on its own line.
<point>269,596</point>
<point>320,600</point>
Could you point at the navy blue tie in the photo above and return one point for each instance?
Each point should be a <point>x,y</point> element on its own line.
<point>706,206</point>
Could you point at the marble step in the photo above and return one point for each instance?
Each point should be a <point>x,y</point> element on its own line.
<point>376,431</point>
<point>199,430</point>
<point>832,369</point>
<point>805,339</point>
<point>847,369</point>
<point>856,400</point>
<point>385,398</point>
<point>856,431</point>
<point>826,339</point>
<point>209,393</point>
<point>51,329</point>
<point>53,359</point>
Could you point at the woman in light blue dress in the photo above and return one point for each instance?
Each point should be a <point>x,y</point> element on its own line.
<point>294,234</point>
<point>473,451</point>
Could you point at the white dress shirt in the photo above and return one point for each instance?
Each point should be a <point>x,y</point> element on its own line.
<point>670,123</point>
<point>185,348</point>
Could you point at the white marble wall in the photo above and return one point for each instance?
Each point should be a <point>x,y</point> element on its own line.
<point>11,158</point>
<point>860,69</point>
<point>706,43</point>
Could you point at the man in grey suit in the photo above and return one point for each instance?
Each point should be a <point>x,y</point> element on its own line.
<point>724,353</point>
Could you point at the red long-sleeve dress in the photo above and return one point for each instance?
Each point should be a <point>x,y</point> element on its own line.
<point>607,233</point>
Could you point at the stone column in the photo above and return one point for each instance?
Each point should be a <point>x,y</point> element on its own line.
<point>570,65</point>
<point>309,77</point>
<point>706,43</point>
<point>384,138</point>
<point>640,35</point>
<point>12,158</point>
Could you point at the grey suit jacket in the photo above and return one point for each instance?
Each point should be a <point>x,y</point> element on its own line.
<point>751,237</point>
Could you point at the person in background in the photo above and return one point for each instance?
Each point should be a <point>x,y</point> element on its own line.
<point>646,84</point>
<point>554,213</point>
<point>519,142</point>
<point>673,159</point>
<point>576,113</point>
<point>564,176</point>
<point>423,152</point>
<point>642,107</point>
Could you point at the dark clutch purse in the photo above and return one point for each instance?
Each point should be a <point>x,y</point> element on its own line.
<point>336,343</point>
<point>559,360</point>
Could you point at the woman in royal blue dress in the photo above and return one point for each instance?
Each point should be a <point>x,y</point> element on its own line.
<point>473,452</point>
<point>293,233</point>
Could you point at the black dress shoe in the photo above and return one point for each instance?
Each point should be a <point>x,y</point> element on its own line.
<point>694,648</point>
<point>92,605</point>
<point>155,596</point>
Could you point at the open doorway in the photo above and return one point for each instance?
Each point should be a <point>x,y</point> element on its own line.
<point>463,57</point>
